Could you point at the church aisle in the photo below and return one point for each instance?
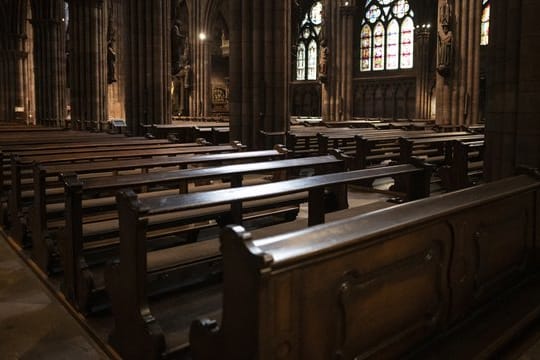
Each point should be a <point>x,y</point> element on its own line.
<point>33,324</point>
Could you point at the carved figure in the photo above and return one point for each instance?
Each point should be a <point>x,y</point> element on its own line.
<point>445,43</point>
<point>178,39</point>
<point>111,64</point>
<point>323,61</point>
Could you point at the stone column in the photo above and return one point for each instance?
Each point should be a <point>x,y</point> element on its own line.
<point>12,60</point>
<point>421,61</point>
<point>344,53</point>
<point>50,61</point>
<point>259,72</point>
<point>458,62</point>
<point>147,63</point>
<point>88,63</point>
<point>513,88</point>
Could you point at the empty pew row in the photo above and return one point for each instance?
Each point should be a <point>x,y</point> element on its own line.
<point>27,162</point>
<point>46,178</point>
<point>131,280</point>
<point>88,240</point>
<point>53,143</point>
<point>454,276</point>
<point>46,213</point>
<point>306,143</point>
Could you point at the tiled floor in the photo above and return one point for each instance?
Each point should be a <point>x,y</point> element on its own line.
<point>33,323</point>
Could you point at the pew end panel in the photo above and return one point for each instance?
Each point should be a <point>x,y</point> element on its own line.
<point>130,304</point>
<point>378,285</point>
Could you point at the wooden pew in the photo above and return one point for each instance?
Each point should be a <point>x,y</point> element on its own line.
<point>85,242</point>
<point>129,280</point>
<point>26,162</point>
<point>389,284</point>
<point>465,166</point>
<point>42,232</point>
<point>436,150</point>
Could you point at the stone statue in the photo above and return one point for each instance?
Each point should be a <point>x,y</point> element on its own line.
<point>323,61</point>
<point>185,67</point>
<point>445,41</point>
<point>178,39</point>
<point>111,64</point>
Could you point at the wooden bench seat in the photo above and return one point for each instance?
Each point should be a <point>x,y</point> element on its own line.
<point>77,233</point>
<point>134,214</point>
<point>388,284</point>
<point>20,163</point>
<point>43,171</point>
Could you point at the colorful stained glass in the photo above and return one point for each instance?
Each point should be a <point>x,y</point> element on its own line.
<point>392,45</point>
<point>407,43</point>
<point>484,26</point>
<point>378,47</point>
<point>400,8</point>
<point>365,49</point>
<point>301,62</point>
<point>312,61</point>
<point>387,36</point>
<point>373,13</point>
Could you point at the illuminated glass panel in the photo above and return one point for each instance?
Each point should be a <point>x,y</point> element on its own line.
<point>301,62</point>
<point>387,35</point>
<point>407,43</point>
<point>365,49</point>
<point>312,60</point>
<point>392,45</point>
<point>308,43</point>
<point>378,47</point>
<point>373,13</point>
<point>484,26</point>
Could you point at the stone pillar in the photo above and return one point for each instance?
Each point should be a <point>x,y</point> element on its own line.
<point>513,88</point>
<point>344,52</point>
<point>458,62</point>
<point>12,77</point>
<point>50,61</point>
<point>421,61</point>
<point>13,60</point>
<point>147,63</point>
<point>259,71</point>
<point>88,63</point>
<point>200,99</point>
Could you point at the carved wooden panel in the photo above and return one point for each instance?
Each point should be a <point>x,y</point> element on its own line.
<point>305,99</point>
<point>392,301</point>
<point>385,97</point>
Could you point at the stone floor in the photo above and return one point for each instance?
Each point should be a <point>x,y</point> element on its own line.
<point>33,323</point>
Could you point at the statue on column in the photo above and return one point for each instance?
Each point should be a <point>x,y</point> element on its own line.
<point>323,61</point>
<point>111,53</point>
<point>445,43</point>
<point>111,63</point>
<point>323,48</point>
<point>178,39</point>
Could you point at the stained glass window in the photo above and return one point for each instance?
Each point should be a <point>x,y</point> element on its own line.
<point>387,36</point>
<point>407,43</point>
<point>301,62</point>
<point>312,60</point>
<point>366,48</point>
<point>392,46</point>
<point>484,25</point>
<point>307,47</point>
<point>378,47</point>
